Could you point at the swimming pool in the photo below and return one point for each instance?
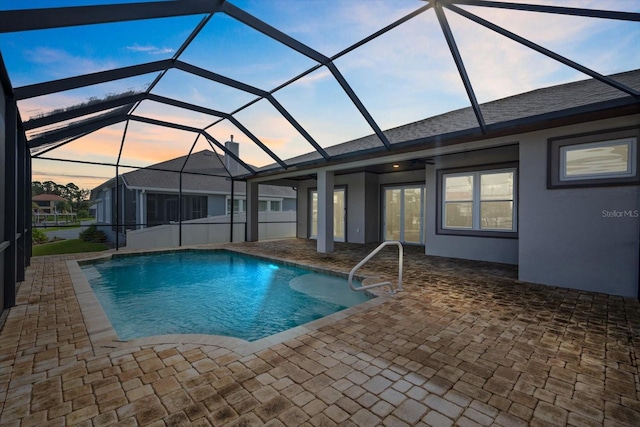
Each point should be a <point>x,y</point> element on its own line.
<point>212,292</point>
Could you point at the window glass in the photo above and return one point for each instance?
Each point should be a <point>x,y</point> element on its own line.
<point>275,206</point>
<point>262,206</point>
<point>459,215</point>
<point>458,188</point>
<point>496,186</point>
<point>496,215</point>
<point>479,200</point>
<point>598,160</point>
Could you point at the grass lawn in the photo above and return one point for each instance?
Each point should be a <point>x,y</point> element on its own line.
<point>63,227</point>
<point>70,246</point>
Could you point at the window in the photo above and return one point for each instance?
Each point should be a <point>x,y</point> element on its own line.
<point>238,206</point>
<point>262,206</point>
<point>606,159</point>
<point>478,202</point>
<point>275,206</point>
<point>596,159</point>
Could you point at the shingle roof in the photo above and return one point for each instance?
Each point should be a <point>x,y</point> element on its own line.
<point>529,104</point>
<point>48,198</point>
<point>203,173</point>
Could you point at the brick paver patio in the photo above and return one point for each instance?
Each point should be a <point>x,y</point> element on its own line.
<point>465,344</point>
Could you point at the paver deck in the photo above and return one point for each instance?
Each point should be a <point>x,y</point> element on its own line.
<point>465,344</point>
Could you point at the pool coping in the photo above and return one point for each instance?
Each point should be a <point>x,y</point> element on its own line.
<point>104,338</point>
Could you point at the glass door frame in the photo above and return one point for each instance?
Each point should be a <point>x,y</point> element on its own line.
<point>402,188</point>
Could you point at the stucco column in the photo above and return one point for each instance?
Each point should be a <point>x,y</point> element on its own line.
<point>252,211</point>
<point>325,212</point>
<point>142,212</point>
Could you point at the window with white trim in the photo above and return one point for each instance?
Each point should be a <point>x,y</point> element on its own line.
<point>599,160</point>
<point>479,201</point>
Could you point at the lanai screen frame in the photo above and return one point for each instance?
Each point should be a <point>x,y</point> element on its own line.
<point>20,150</point>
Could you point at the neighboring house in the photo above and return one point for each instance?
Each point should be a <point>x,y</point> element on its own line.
<point>47,203</point>
<point>551,184</point>
<point>150,196</point>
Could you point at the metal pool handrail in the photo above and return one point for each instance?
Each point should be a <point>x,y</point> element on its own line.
<point>368,257</point>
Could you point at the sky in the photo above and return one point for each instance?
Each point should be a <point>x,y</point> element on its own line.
<point>402,76</point>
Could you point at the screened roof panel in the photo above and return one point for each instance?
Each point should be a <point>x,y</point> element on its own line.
<point>406,74</point>
<point>397,76</point>
<point>204,159</point>
<point>52,54</point>
<point>249,151</point>
<point>600,44</point>
<point>171,114</point>
<point>58,102</point>
<point>520,68</point>
<point>85,176</point>
<point>329,26</point>
<point>146,144</point>
<point>193,89</point>
<point>323,108</point>
<point>270,127</point>
<point>34,133</point>
<point>101,146</point>
<point>228,47</point>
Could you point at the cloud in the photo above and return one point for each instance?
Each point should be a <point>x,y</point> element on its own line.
<point>59,62</point>
<point>151,50</point>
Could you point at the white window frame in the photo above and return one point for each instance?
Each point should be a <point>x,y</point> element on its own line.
<point>242,204</point>
<point>630,142</point>
<point>476,201</point>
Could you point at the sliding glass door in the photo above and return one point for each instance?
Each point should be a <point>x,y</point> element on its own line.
<point>404,214</point>
<point>339,214</point>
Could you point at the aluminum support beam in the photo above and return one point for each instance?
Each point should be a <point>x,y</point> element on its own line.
<point>448,35</point>
<point>53,86</point>
<point>39,19</point>
<point>70,132</point>
<point>23,185</point>
<point>83,111</point>
<point>559,10</point>
<point>10,207</point>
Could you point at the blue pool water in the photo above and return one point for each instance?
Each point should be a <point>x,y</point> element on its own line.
<point>212,292</point>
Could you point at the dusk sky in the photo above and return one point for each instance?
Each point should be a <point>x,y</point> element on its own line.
<point>403,76</point>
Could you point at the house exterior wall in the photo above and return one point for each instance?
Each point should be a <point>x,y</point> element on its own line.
<point>567,237</point>
<point>216,205</point>
<point>502,250</point>
<point>363,202</point>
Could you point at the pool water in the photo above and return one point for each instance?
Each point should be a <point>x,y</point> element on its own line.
<point>212,292</point>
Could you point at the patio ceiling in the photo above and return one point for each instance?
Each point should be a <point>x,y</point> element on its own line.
<point>286,78</point>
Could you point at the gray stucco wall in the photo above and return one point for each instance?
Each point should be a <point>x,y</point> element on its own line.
<point>502,250</point>
<point>216,205</point>
<point>363,202</point>
<point>585,238</point>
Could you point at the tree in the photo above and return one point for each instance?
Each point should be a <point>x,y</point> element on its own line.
<point>75,196</point>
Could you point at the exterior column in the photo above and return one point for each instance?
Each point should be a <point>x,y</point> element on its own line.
<point>142,211</point>
<point>325,211</point>
<point>252,211</point>
<point>9,246</point>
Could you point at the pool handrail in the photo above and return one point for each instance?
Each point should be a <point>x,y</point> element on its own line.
<point>368,257</point>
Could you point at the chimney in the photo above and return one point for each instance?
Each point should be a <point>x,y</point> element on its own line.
<point>230,163</point>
